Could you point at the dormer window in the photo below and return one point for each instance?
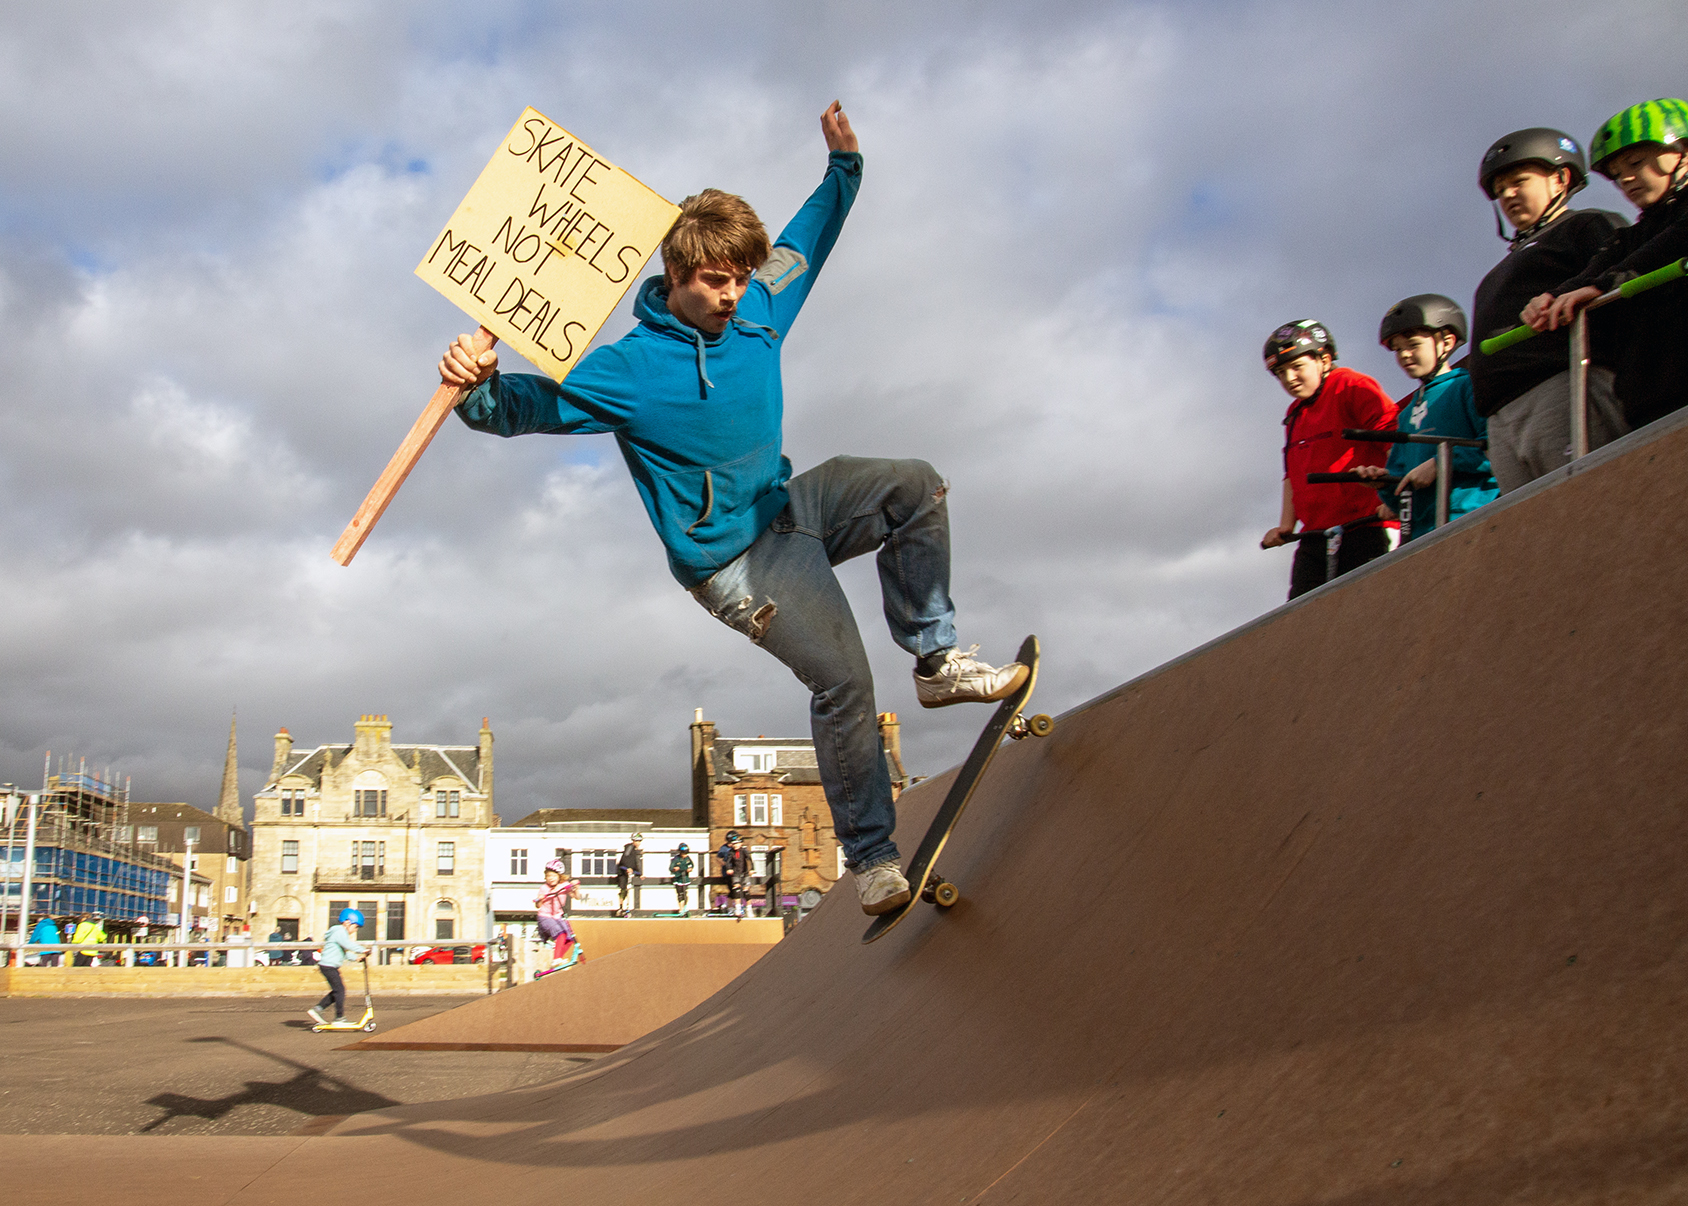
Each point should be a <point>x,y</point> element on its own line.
<point>757,762</point>
<point>448,803</point>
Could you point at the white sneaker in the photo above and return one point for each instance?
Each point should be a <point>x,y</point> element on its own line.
<point>881,888</point>
<point>316,1017</point>
<point>963,678</point>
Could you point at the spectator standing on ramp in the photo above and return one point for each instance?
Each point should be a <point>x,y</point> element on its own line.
<point>680,871</point>
<point>1423,332</point>
<point>551,909</point>
<point>1325,400</point>
<point>736,867</point>
<point>46,933</point>
<point>693,396</point>
<point>629,867</point>
<point>1524,391</point>
<point>338,945</point>
<point>1643,339</point>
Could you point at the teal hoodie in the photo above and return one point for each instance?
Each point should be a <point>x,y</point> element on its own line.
<point>1443,405</point>
<point>698,417</point>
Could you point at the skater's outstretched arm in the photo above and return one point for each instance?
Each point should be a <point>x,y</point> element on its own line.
<point>807,239</point>
<point>595,398</point>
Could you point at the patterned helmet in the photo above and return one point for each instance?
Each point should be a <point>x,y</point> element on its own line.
<point>638,837</point>
<point>559,866</point>
<point>1424,312</point>
<point>1663,121</point>
<point>1305,337</point>
<point>682,848</point>
<point>733,836</point>
<point>1551,149</point>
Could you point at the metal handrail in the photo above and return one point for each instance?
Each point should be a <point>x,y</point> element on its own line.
<point>1579,343</point>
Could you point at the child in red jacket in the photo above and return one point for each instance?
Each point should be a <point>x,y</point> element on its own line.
<point>1301,355</point>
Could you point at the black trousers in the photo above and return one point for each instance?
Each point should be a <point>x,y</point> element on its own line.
<point>336,994</point>
<point>1359,545</point>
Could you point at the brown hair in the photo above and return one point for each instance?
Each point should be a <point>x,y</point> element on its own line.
<point>714,227</point>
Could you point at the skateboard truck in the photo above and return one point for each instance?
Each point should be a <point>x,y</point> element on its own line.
<point>1031,726</point>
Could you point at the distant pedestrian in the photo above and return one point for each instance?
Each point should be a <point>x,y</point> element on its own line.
<point>46,933</point>
<point>550,907</point>
<point>338,945</point>
<point>628,868</point>
<point>680,871</point>
<point>276,958</point>
<point>91,929</point>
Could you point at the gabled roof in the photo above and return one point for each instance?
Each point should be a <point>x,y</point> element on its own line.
<point>432,761</point>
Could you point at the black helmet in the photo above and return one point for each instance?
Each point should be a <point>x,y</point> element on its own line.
<point>682,848</point>
<point>733,835</point>
<point>1551,148</point>
<point>1423,312</point>
<point>1305,337</point>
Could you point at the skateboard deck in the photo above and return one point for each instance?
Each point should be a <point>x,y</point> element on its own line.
<point>924,883</point>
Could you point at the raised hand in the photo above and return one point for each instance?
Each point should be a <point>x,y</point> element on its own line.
<point>836,127</point>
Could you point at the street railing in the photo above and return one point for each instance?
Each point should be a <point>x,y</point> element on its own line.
<point>1579,343</point>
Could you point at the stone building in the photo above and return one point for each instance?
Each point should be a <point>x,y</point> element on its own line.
<point>396,831</point>
<point>219,851</point>
<point>769,789</point>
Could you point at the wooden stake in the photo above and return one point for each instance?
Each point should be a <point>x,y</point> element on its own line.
<point>404,460</point>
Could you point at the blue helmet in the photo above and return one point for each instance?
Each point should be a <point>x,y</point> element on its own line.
<point>353,916</point>
<point>683,847</point>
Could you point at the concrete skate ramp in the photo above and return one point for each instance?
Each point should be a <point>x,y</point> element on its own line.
<point>1379,900</point>
<point>597,1005</point>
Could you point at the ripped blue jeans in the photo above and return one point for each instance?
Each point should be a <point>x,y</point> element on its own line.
<point>782,594</point>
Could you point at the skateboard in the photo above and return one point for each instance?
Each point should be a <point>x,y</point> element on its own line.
<point>925,884</point>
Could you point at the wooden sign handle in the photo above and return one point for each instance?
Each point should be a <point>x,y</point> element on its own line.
<point>404,460</point>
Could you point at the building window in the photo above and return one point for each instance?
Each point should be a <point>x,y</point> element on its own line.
<point>759,810</point>
<point>518,862</point>
<point>756,761</point>
<point>740,816</point>
<point>775,816</point>
<point>445,924</point>
<point>369,802</point>
<point>447,859</point>
<point>598,862</point>
<point>146,833</point>
<point>290,858</point>
<point>230,894</point>
<point>369,859</point>
<point>447,803</point>
<point>125,833</point>
<point>232,866</point>
<point>190,833</point>
<point>395,921</point>
<point>293,802</point>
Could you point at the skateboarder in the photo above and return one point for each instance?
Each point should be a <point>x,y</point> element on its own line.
<point>735,866</point>
<point>629,867</point>
<point>551,917</point>
<point>680,872</point>
<point>693,396</point>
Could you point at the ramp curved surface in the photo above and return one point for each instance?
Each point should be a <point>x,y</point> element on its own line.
<point>1377,900</point>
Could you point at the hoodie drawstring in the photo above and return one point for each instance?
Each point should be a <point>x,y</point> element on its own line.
<point>702,363</point>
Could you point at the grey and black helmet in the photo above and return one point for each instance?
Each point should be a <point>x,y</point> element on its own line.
<point>1305,337</point>
<point>1423,312</point>
<point>1551,148</point>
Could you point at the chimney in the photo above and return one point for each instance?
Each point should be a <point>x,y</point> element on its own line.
<point>283,751</point>
<point>486,764</point>
<point>703,767</point>
<point>374,737</point>
<point>890,736</point>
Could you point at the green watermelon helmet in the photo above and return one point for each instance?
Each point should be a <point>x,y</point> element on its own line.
<point>1663,121</point>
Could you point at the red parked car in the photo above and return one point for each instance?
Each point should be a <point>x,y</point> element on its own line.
<point>452,954</point>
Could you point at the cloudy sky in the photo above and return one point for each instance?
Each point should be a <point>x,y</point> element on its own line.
<point>1077,224</point>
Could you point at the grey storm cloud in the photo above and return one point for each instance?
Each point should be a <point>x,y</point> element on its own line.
<point>1075,228</point>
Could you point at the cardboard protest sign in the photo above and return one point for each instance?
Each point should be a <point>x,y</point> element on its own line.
<point>540,251</point>
<point>546,243</point>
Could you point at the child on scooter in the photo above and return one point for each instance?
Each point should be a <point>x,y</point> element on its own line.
<point>553,923</point>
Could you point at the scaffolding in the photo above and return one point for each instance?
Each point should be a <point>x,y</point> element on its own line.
<point>71,847</point>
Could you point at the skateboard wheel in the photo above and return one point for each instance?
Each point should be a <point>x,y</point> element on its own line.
<point>945,895</point>
<point>1040,725</point>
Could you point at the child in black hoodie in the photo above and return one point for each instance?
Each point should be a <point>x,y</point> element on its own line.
<point>1524,391</point>
<point>1643,339</point>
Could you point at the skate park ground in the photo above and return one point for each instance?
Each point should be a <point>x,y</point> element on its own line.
<point>220,1066</point>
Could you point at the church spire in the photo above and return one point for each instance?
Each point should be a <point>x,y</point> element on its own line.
<point>228,804</point>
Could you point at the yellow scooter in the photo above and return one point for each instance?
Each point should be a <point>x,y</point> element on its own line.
<point>367,1021</point>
